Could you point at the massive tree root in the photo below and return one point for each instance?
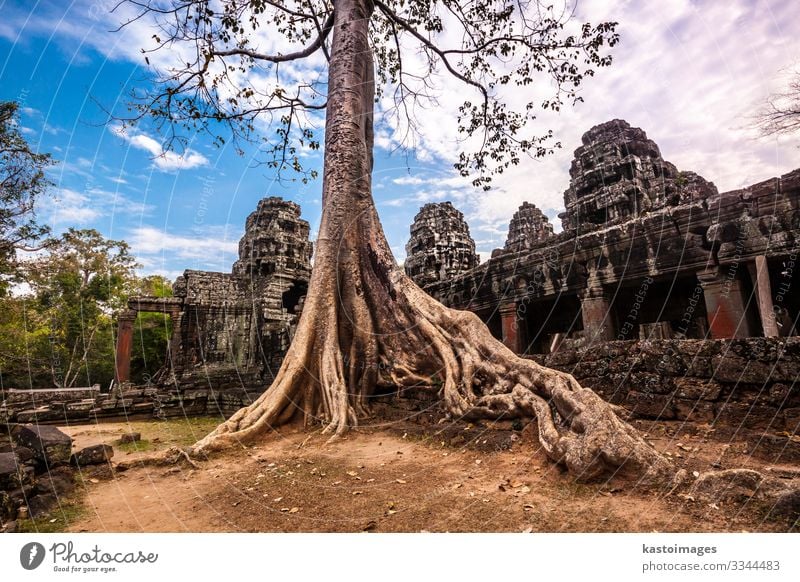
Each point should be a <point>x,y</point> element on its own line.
<point>365,323</point>
<point>383,329</point>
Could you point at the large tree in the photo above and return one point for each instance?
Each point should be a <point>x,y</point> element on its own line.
<point>22,181</point>
<point>78,288</point>
<point>365,322</point>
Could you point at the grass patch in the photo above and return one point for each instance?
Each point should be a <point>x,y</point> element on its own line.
<point>141,446</point>
<point>57,520</point>
<point>159,435</point>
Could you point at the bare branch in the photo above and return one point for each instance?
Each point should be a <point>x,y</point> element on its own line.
<point>306,52</point>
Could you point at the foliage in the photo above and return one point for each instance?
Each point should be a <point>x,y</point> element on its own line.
<point>513,58</point>
<point>152,332</point>
<point>63,333</point>
<point>22,181</point>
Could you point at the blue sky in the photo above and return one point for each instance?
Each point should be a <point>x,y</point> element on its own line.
<point>689,73</point>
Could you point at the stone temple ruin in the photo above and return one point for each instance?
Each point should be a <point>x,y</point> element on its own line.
<point>440,246</point>
<point>662,294</point>
<point>646,252</point>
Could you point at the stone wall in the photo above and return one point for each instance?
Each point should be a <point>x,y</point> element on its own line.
<point>218,393</point>
<point>750,383</point>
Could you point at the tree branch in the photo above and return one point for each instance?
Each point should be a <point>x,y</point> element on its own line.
<point>306,52</point>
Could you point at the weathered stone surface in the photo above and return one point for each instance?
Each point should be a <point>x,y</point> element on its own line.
<point>8,512</point>
<point>9,473</point>
<point>695,389</point>
<point>130,437</point>
<point>644,375</point>
<point>527,228</point>
<point>694,410</point>
<point>736,485</point>
<point>58,482</point>
<point>24,454</point>
<point>651,405</point>
<point>440,246</point>
<point>50,445</point>
<point>619,174</point>
<point>93,455</point>
<point>787,506</point>
<point>792,420</point>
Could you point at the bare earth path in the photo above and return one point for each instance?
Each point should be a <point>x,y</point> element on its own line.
<point>385,479</point>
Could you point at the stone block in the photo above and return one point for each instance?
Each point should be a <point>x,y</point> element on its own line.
<point>57,482</point>
<point>649,383</point>
<point>694,410</point>
<point>650,405</point>
<point>748,416</point>
<point>130,437</point>
<point>10,475</point>
<point>791,418</point>
<point>50,445</point>
<point>94,455</point>
<point>729,368</point>
<point>697,389</point>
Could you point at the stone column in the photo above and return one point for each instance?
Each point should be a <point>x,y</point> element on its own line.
<point>759,273</point>
<point>598,325</point>
<point>512,334</point>
<point>124,344</point>
<point>725,305</point>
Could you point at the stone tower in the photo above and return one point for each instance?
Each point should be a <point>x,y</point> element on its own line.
<point>440,246</point>
<point>618,174</point>
<point>275,242</point>
<point>234,328</point>
<point>528,226</point>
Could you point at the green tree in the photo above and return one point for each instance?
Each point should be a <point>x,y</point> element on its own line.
<point>364,322</point>
<point>79,286</point>
<point>25,344</point>
<point>22,182</point>
<point>152,331</point>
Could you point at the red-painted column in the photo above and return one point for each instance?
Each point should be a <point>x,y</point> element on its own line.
<point>512,334</point>
<point>125,323</point>
<point>598,325</point>
<point>725,305</point>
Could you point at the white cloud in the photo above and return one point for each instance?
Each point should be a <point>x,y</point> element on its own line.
<point>147,240</point>
<point>72,208</point>
<point>408,181</point>
<point>164,160</point>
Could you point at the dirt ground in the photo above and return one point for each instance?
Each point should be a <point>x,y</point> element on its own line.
<point>392,478</point>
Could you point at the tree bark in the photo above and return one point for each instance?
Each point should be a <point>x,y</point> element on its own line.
<point>365,322</point>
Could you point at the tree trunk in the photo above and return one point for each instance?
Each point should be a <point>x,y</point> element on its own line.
<point>365,322</point>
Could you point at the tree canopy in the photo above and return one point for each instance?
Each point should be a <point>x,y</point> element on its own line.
<point>62,331</point>
<point>256,69</point>
<point>22,182</point>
